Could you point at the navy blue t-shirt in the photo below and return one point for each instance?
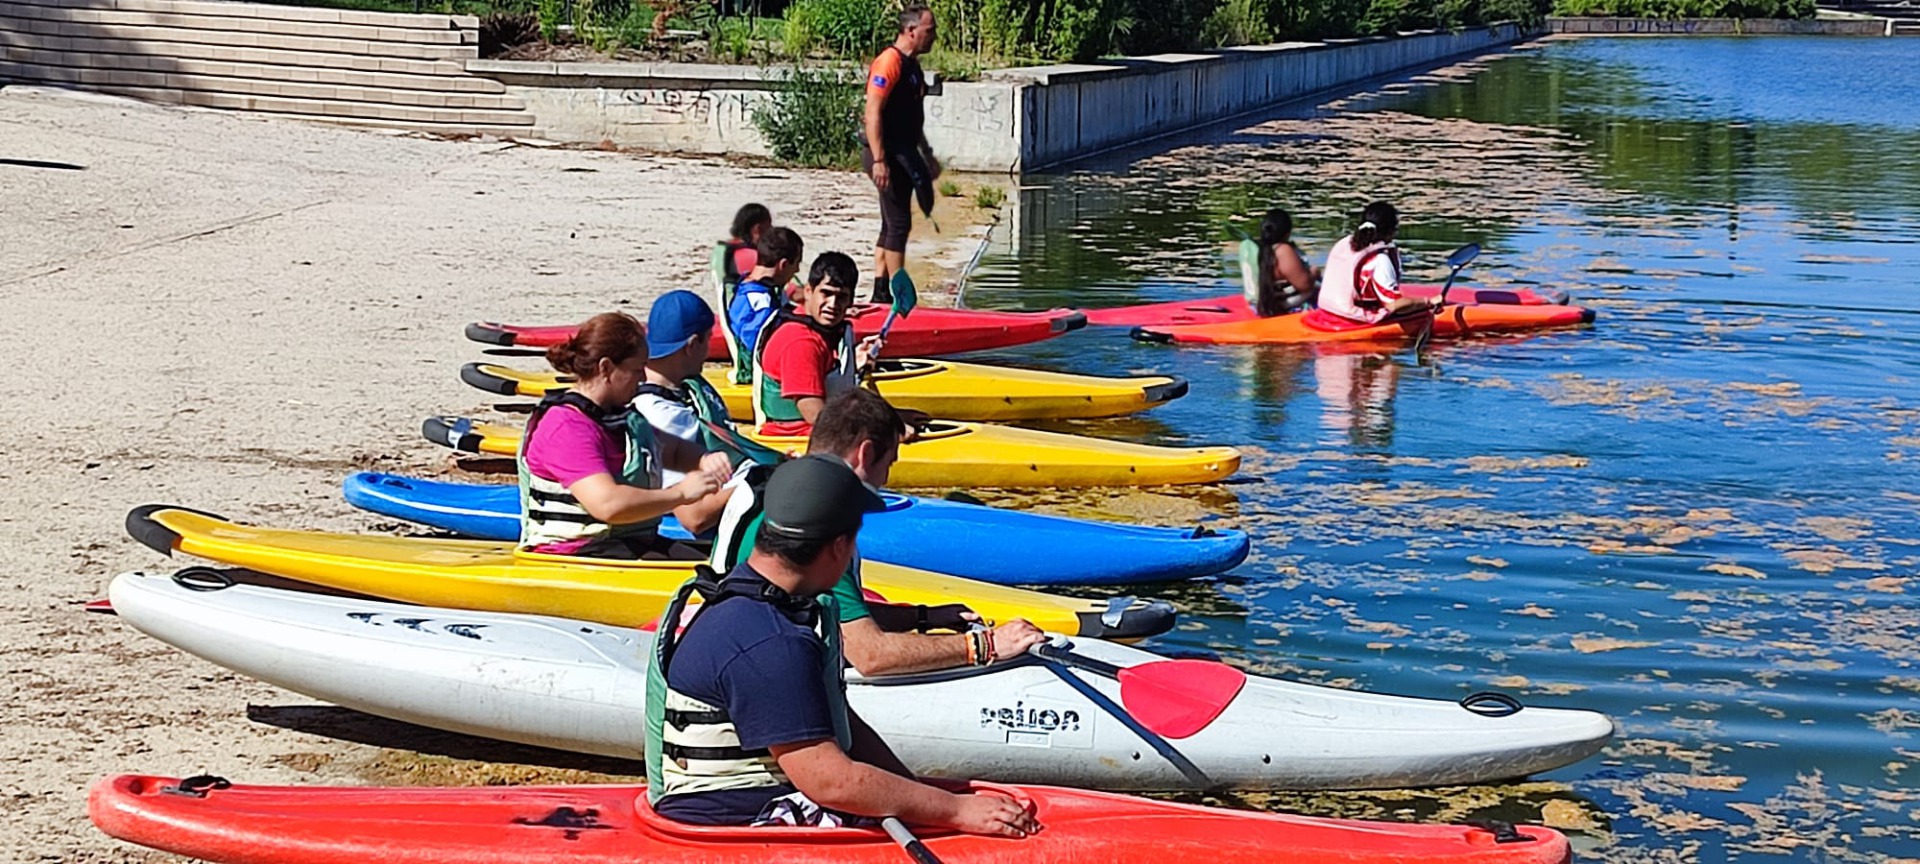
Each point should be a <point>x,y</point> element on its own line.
<point>763,667</point>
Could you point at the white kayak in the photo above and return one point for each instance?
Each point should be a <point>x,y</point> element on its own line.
<point>578,686</point>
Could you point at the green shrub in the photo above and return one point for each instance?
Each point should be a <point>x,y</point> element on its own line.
<point>1237,22</point>
<point>989,197</point>
<point>848,28</point>
<point>949,189</point>
<point>813,117</point>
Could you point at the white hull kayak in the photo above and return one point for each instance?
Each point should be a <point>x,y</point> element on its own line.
<point>578,686</point>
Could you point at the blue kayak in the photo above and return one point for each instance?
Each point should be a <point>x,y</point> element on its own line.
<point>1007,547</point>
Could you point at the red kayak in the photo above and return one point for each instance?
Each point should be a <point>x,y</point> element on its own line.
<point>1233,307</point>
<point>205,818</point>
<point>1452,321</point>
<point>927,332</point>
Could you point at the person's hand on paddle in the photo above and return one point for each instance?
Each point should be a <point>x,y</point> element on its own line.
<point>1013,638</point>
<point>994,816</point>
<point>869,350</point>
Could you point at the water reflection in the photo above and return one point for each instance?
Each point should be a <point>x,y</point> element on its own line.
<point>1356,396</point>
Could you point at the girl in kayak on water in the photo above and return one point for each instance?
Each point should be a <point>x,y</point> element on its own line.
<point>1284,282</point>
<point>590,466</point>
<point>1361,281</point>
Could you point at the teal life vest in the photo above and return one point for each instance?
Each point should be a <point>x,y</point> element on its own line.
<point>771,407</point>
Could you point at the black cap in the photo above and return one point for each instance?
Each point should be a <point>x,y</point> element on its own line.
<point>817,498</point>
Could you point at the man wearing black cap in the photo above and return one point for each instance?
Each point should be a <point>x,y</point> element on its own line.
<point>746,710</point>
<point>859,428</point>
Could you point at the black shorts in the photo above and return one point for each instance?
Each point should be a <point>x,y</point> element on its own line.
<point>906,172</point>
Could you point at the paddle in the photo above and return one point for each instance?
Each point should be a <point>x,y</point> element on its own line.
<point>1172,698</point>
<point>905,298</point>
<point>916,850</point>
<point>1456,259</point>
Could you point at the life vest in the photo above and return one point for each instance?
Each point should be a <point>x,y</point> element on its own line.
<point>771,407</point>
<point>717,429</point>
<point>693,747</point>
<point>726,284</point>
<point>1254,278</point>
<point>549,512</point>
<point>1342,282</point>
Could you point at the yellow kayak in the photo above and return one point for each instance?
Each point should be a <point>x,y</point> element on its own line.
<point>957,454</point>
<point>495,577</point>
<point>949,391</point>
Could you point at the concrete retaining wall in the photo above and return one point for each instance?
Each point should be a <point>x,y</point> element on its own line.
<point>1011,120</point>
<point>343,66</point>
<point>1721,27</point>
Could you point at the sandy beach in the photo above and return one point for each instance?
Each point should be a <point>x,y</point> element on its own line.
<point>232,313</point>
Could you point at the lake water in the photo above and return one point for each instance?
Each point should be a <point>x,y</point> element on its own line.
<point>1698,516</point>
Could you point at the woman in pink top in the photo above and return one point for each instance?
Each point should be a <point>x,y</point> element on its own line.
<point>590,468</point>
<point>1361,281</point>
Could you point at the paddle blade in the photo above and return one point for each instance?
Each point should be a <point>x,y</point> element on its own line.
<point>1177,698</point>
<point>1463,256</point>
<point>905,296</point>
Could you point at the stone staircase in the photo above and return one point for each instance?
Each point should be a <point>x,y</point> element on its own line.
<point>1905,14</point>
<point>334,65</point>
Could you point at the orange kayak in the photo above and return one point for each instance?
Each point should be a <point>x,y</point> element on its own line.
<point>207,818</point>
<point>1452,321</point>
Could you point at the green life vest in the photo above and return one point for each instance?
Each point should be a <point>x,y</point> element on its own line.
<point>692,746</point>
<point>717,430</point>
<point>549,512</point>
<point>726,283</point>
<point>771,407</point>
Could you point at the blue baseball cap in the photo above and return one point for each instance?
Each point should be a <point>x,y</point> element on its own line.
<point>676,319</point>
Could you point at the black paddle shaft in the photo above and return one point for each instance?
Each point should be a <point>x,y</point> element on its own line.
<point>1077,661</point>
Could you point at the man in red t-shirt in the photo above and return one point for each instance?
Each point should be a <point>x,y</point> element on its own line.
<point>807,356</point>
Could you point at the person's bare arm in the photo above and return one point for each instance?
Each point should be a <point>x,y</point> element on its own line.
<point>831,779</point>
<point>1295,271</point>
<point>810,407</point>
<point>870,120</point>
<point>617,504</point>
<point>870,748</point>
<point>875,651</point>
<point>702,515</point>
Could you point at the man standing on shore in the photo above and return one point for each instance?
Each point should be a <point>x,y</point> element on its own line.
<point>895,151</point>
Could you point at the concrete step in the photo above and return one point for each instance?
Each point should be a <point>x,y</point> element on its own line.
<point>444,82</point>
<point>330,108</point>
<point>448,129</point>
<point>274,12</point>
<point>91,77</point>
<point>54,32</point>
<point>160,55</point>
<point>447,35</point>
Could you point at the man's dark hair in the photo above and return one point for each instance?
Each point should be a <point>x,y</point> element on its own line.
<point>780,243</point>
<point>798,552</point>
<point>834,267</point>
<point>852,417</point>
<point>913,14</point>
<point>748,216</point>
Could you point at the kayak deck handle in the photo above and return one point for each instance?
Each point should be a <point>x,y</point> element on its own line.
<point>1490,704</point>
<point>1503,832</point>
<point>197,786</point>
<point>202,579</point>
<point>1142,334</point>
